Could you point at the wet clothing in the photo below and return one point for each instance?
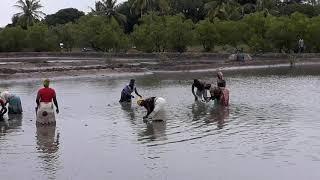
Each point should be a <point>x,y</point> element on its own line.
<point>221,95</point>
<point>126,93</point>
<point>46,94</point>
<point>14,105</point>
<point>46,114</point>
<point>14,102</point>
<point>201,92</point>
<point>221,83</point>
<point>154,105</point>
<point>224,97</point>
<point>149,104</point>
<point>3,109</point>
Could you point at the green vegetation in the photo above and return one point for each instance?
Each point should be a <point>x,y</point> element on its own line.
<point>167,26</point>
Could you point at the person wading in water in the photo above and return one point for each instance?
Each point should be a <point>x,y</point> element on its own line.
<point>153,105</point>
<point>220,93</point>
<point>44,109</point>
<point>127,91</point>
<point>3,110</point>
<point>201,93</point>
<point>14,102</point>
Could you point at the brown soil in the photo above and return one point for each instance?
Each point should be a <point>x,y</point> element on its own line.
<point>40,65</point>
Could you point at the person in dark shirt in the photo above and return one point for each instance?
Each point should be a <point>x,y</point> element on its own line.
<point>153,105</point>
<point>202,87</point>
<point>127,91</point>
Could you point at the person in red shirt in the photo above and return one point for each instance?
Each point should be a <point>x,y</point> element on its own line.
<point>47,95</point>
<point>3,109</point>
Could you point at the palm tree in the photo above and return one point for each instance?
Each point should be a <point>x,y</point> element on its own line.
<point>215,8</point>
<point>150,5</point>
<point>109,8</point>
<point>29,11</point>
<point>221,9</point>
<point>267,6</point>
<point>140,5</point>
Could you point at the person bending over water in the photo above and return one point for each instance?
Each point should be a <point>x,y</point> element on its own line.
<point>153,106</point>
<point>220,80</point>
<point>44,109</point>
<point>201,93</point>
<point>14,102</point>
<point>3,110</point>
<point>220,93</point>
<point>127,91</point>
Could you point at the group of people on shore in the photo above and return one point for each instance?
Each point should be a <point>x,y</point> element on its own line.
<point>154,105</point>
<point>46,100</point>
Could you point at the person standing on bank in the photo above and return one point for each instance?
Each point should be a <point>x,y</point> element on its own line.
<point>127,91</point>
<point>301,45</point>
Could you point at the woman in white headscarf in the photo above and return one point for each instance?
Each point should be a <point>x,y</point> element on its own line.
<point>14,102</point>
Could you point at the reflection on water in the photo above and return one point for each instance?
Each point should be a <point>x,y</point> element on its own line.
<point>154,131</point>
<point>47,140</point>
<point>128,109</point>
<point>270,131</point>
<point>218,114</point>
<point>13,121</point>
<point>48,146</point>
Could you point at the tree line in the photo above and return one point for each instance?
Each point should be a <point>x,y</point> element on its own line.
<point>167,26</point>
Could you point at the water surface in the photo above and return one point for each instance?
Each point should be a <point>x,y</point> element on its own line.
<point>270,131</point>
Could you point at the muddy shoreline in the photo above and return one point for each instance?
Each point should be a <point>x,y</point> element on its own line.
<point>55,65</point>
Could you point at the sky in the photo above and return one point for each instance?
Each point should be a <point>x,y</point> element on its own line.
<point>50,6</point>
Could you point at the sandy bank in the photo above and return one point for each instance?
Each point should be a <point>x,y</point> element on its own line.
<point>39,65</point>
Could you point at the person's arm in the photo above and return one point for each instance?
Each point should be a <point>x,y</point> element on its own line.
<point>192,90</point>
<point>20,106</point>
<point>205,96</point>
<point>149,111</point>
<point>3,110</point>
<point>135,90</point>
<point>38,100</point>
<point>56,104</point>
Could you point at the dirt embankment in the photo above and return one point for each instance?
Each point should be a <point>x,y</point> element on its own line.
<point>34,65</point>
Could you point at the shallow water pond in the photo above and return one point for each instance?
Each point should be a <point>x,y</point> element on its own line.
<point>270,131</point>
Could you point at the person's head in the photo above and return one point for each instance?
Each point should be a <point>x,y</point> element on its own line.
<point>131,83</point>
<point>5,95</point>
<point>207,86</point>
<point>46,83</point>
<point>219,75</point>
<point>196,82</point>
<point>140,102</point>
